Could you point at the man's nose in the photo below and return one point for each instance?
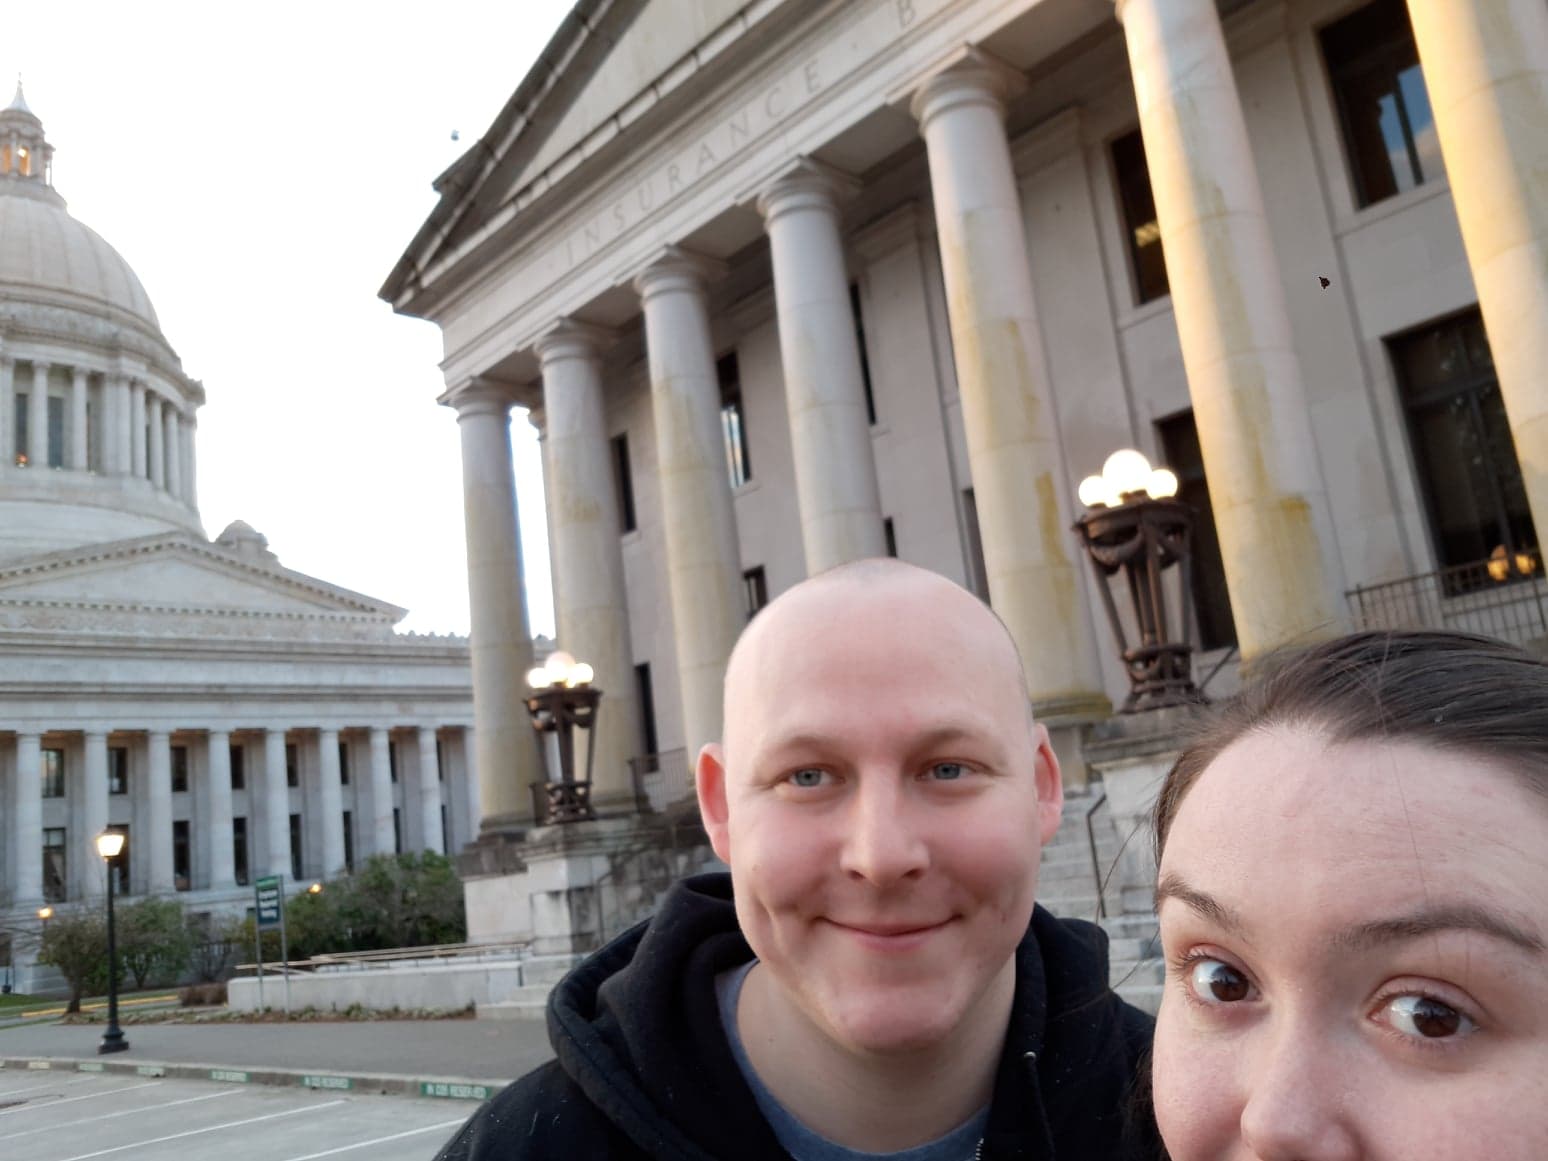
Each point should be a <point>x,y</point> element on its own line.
<point>883,840</point>
<point>1302,1098</point>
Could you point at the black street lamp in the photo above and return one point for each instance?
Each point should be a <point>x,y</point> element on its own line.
<point>109,843</point>
<point>1138,527</point>
<point>562,701</point>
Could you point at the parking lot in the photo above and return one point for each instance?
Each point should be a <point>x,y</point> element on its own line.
<point>67,1116</point>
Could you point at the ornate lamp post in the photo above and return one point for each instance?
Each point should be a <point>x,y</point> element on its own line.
<point>1136,526</point>
<point>109,843</point>
<point>562,701</point>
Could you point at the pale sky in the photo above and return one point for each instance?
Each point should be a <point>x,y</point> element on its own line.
<point>262,168</point>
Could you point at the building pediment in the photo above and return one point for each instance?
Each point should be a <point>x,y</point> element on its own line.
<point>177,573</point>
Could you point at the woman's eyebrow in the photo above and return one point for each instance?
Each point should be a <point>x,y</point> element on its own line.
<point>1433,918</point>
<point>1174,886</point>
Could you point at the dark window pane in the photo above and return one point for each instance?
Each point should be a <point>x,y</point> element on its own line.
<point>239,849</point>
<point>978,570</point>
<point>349,841</point>
<point>623,483</point>
<point>118,770</point>
<point>755,590</point>
<point>865,360</point>
<point>343,763</point>
<point>733,425</point>
<point>120,864</point>
<point>53,773</point>
<point>647,696</point>
<point>1139,217</point>
<point>295,847</point>
<point>55,875</point>
<point>182,860</point>
<point>1211,598</point>
<point>238,766</point>
<point>179,769</point>
<point>292,765</point>
<point>890,536</point>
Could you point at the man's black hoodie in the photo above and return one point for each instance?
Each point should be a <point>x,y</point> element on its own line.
<point>644,1069</point>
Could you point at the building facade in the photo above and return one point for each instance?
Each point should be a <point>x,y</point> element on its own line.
<point>790,282</point>
<point>233,717</point>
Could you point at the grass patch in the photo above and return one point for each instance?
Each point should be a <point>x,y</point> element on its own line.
<point>17,1000</point>
<point>352,1014</point>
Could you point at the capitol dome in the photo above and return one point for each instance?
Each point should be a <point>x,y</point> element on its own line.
<point>97,418</point>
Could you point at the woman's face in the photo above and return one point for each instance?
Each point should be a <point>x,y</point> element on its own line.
<point>1356,967</point>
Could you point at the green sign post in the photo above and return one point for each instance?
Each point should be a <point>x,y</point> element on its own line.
<point>269,911</point>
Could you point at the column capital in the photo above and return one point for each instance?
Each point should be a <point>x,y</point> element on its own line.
<point>41,366</point>
<point>676,269</point>
<point>479,396</point>
<point>79,374</point>
<point>974,78</point>
<point>568,338</point>
<point>806,185</point>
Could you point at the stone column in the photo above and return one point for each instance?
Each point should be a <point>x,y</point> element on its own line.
<point>157,842</point>
<point>172,440</point>
<point>330,803</point>
<point>76,458</point>
<point>830,433</point>
<point>116,456</point>
<point>381,793</point>
<point>501,644</point>
<point>217,768</point>
<point>27,823</point>
<point>591,609</point>
<point>1486,69</point>
<point>276,803</point>
<point>1243,375</point>
<point>704,571</point>
<point>190,465</point>
<point>1019,478</point>
<point>94,812</point>
<point>37,418</point>
<point>137,429</point>
<point>431,838</point>
<point>156,430</point>
<point>7,411</point>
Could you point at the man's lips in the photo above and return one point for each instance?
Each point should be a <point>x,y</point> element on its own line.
<point>890,930</point>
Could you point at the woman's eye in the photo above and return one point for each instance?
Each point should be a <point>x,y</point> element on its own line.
<point>1426,1018</point>
<point>809,778</point>
<point>1214,982</point>
<point>947,771</point>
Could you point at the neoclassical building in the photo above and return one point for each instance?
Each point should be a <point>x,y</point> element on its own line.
<point>790,282</point>
<point>234,717</point>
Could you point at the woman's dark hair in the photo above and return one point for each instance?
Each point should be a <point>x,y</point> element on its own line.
<point>1454,691</point>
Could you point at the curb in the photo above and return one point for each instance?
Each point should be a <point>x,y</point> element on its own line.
<point>437,1087</point>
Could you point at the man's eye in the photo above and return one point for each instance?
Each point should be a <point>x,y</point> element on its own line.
<point>1214,982</point>
<point>947,771</point>
<point>808,778</point>
<point>1426,1018</point>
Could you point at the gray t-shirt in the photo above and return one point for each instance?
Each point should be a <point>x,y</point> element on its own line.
<point>961,1144</point>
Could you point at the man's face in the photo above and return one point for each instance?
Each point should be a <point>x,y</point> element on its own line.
<point>882,805</point>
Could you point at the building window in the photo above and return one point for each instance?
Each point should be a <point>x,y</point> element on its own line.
<point>646,694</point>
<point>19,426</point>
<point>865,360</point>
<point>239,849</point>
<point>120,865</point>
<point>1139,217</point>
<point>182,856</point>
<point>755,590</point>
<point>623,483</point>
<point>890,536</point>
<point>54,879</point>
<point>238,766</point>
<point>179,769</point>
<point>56,431</point>
<point>1389,132</point>
<point>446,843</point>
<point>978,570</point>
<point>397,831</point>
<point>733,426</point>
<point>295,847</point>
<point>292,765</point>
<point>392,760</point>
<point>1180,450</point>
<point>53,772</point>
<point>1462,446</point>
<point>440,759</point>
<point>343,763</point>
<point>349,841</point>
<point>118,770</point>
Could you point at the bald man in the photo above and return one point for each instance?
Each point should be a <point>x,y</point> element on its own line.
<point>873,978</point>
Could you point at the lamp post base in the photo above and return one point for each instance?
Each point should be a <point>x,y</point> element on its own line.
<point>112,1041</point>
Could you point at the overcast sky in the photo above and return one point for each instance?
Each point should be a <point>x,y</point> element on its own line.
<point>262,168</point>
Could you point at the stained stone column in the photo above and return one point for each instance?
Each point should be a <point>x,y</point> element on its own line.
<point>37,418</point>
<point>501,644</point>
<point>172,442</point>
<point>276,803</point>
<point>217,767</point>
<point>137,429</point>
<point>830,433</point>
<point>330,802</point>
<point>381,793</point>
<point>94,812</point>
<point>1243,375</point>
<point>431,837</point>
<point>1486,69</point>
<point>590,607</point>
<point>76,458</point>
<point>157,844</point>
<point>704,571</point>
<point>26,824</point>
<point>1019,478</point>
<point>157,451</point>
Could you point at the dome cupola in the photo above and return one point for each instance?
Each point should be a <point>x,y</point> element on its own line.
<point>25,154</point>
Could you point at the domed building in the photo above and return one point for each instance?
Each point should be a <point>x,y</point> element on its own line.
<point>233,717</point>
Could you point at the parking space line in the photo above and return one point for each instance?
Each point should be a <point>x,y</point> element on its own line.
<point>84,1097</point>
<point>207,1129</point>
<point>58,1080</point>
<point>381,1140</point>
<point>209,1096</point>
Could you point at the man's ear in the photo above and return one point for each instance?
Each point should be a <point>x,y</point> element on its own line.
<point>1050,785</point>
<point>710,782</point>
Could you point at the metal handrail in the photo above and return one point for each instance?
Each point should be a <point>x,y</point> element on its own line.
<point>1096,863</point>
<point>387,956</point>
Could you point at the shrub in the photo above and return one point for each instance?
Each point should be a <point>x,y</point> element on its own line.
<point>75,942</point>
<point>216,942</point>
<point>410,900</point>
<point>195,995</point>
<point>153,940</point>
